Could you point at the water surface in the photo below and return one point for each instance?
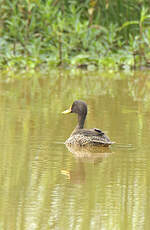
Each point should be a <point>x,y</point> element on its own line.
<point>44,185</point>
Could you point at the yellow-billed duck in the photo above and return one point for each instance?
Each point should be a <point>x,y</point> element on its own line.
<point>83,136</point>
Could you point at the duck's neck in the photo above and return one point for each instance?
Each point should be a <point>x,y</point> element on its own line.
<point>81,120</point>
<point>80,125</point>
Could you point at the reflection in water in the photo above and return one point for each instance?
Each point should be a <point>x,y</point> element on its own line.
<point>99,191</point>
<point>77,175</point>
<point>88,153</point>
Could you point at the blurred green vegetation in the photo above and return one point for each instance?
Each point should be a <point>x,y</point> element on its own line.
<point>85,34</point>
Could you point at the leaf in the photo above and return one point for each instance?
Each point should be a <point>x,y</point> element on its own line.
<point>128,23</point>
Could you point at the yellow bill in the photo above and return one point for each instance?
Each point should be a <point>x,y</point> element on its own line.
<point>67,111</point>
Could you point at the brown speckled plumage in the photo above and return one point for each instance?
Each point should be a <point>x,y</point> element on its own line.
<point>82,136</point>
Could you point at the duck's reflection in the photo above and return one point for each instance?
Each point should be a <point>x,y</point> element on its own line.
<point>91,154</point>
<point>77,174</point>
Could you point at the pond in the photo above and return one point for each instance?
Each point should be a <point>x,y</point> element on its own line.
<point>45,185</point>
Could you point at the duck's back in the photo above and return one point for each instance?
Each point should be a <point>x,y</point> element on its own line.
<point>88,136</point>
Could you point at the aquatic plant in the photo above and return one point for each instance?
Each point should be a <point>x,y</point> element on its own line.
<point>91,34</point>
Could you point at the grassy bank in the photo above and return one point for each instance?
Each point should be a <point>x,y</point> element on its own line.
<point>92,34</point>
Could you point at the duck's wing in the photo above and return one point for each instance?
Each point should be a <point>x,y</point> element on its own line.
<point>100,132</point>
<point>92,132</point>
<point>95,136</point>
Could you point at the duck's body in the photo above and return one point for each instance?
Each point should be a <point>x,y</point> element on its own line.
<point>83,136</point>
<point>88,136</point>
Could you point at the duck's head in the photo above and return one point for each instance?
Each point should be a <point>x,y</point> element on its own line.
<point>78,107</point>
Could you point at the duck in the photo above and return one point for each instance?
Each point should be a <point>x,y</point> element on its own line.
<point>81,136</point>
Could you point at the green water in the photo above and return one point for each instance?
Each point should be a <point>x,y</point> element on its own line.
<point>45,186</point>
